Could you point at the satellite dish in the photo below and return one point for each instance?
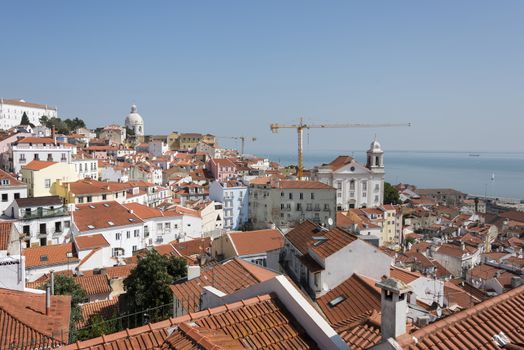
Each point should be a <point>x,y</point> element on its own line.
<point>330,222</point>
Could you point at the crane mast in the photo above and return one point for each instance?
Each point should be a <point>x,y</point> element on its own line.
<point>242,139</point>
<point>300,134</point>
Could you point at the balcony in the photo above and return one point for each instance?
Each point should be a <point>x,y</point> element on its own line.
<point>45,213</point>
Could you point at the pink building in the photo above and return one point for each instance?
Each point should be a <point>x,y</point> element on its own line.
<point>222,169</point>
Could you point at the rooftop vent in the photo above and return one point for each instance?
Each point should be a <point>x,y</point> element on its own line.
<point>131,220</point>
<point>337,300</point>
<point>92,206</point>
<point>90,227</point>
<point>106,205</point>
<point>44,258</point>
<point>319,240</point>
<point>111,223</point>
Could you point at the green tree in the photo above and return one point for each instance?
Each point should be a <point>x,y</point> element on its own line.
<point>65,285</point>
<point>148,286</point>
<point>97,326</point>
<point>25,120</point>
<point>391,195</point>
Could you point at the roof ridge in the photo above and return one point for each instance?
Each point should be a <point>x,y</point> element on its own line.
<point>460,316</point>
<point>28,326</point>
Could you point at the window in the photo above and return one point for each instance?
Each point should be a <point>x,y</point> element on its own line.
<point>312,195</point>
<point>167,226</point>
<point>134,248</point>
<point>352,185</point>
<point>49,157</point>
<point>290,195</point>
<point>80,199</point>
<point>4,197</point>
<point>118,236</point>
<point>364,186</point>
<point>299,206</point>
<point>104,197</point>
<point>67,224</point>
<point>339,185</point>
<point>326,207</point>
<point>118,252</point>
<point>47,183</point>
<point>17,195</point>
<point>36,156</point>
<point>136,233</point>
<point>309,207</point>
<point>339,194</point>
<point>301,195</point>
<point>89,199</point>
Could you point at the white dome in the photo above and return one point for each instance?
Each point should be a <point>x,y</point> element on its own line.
<point>133,118</point>
<point>375,146</point>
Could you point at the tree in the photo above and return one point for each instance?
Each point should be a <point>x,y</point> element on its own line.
<point>97,326</point>
<point>65,285</point>
<point>391,195</point>
<point>147,286</point>
<point>25,120</point>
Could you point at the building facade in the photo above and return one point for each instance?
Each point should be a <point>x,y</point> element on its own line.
<point>357,186</point>
<point>11,112</point>
<point>234,196</point>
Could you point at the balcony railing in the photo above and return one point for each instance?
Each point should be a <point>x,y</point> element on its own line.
<point>45,213</point>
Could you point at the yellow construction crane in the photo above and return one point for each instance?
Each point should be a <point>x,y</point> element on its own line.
<point>300,130</point>
<point>242,139</point>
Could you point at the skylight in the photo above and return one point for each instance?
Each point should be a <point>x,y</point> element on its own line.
<point>90,227</point>
<point>131,220</point>
<point>111,223</point>
<point>43,258</point>
<point>106,205</point>
<point>319,240</point>
<point>92,206</point>
<point>337,300</point>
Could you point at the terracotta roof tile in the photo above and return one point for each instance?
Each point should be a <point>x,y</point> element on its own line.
<point>49,255</point>
<point>5,234</point>
<point>254,242</point>
<point>105,308</point>
<point>90,241</point>
<point>24,323</point>
<point>94,216</point>
<point>358,295</point>
<point>94,284</point>
<point>36,165</point>
<point>227,277</point>
<point>475,327</point>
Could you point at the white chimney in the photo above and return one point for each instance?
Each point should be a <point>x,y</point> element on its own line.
<point>193,271</point>
<point>47,299</point>
<point>394,307</point>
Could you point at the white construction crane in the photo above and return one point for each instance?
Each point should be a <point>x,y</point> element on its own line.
<point>242,139</point>
<point>300,131</point>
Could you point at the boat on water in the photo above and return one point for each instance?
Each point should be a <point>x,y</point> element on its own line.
<point>474,155</point>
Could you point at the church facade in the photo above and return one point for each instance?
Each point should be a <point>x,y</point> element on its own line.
<point>357,186</point>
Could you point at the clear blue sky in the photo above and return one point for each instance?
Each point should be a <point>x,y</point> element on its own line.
<point>453,68</point>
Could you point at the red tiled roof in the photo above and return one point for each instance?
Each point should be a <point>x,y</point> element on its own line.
<point>38,165</point>
<point>339,162</point>
<point>255,242</point>
<point>192,247</point>
<point>359,296</point>
<point>228,278</point>
<point>101,215</point>
<point>105,308</point>
<point>475,327</point>
<point>261,322</point>
<point>143,211</point>
<point>12,180</point>
<point>403,275</point>
<point>49,255</point>
<point>302,238</point>
<point>94,284</point>
<point>37,140</point>
<point>5,234</point>
<point>89,186</point>
<point>90,241</point>
<point>24,323</point>
<point>360,332</point>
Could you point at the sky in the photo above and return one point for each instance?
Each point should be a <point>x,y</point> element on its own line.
<point>455,69</point>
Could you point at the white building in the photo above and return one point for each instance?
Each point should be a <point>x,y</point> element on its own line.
<point>122,229</point>
<point>10,189</point>
<point>39,148</point>
<point>286,203</point>
<point>11,112</point>
<point>234,196</point>
<point>135,122</point>
<point>42,220</point>
<point>357,186</point>
<point>85,167</point>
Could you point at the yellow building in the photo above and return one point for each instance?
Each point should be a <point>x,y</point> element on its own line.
<point>40,176</point>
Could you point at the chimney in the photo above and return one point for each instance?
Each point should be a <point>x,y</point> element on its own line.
<point>193,271</point>
<point>47,299</point>
<point>394,307</point>
<point>53,135</point>
<point>52,282</point>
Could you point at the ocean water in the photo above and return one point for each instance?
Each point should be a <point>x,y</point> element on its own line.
<point>458,170</point>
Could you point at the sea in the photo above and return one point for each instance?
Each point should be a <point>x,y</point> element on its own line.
<point>492,174</point>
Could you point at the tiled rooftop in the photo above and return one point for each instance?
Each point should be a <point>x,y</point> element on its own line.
<point>94,284</point>
<point>474,328</point>
<point>24,323</point>
<point>93,216</point>
<point>229,277</point>
<point>49,255</point>
<point>90,241</point>
<point>255,242</point>
<point>5,234</point>
<point>105,308</point>
<point>261,322</point>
